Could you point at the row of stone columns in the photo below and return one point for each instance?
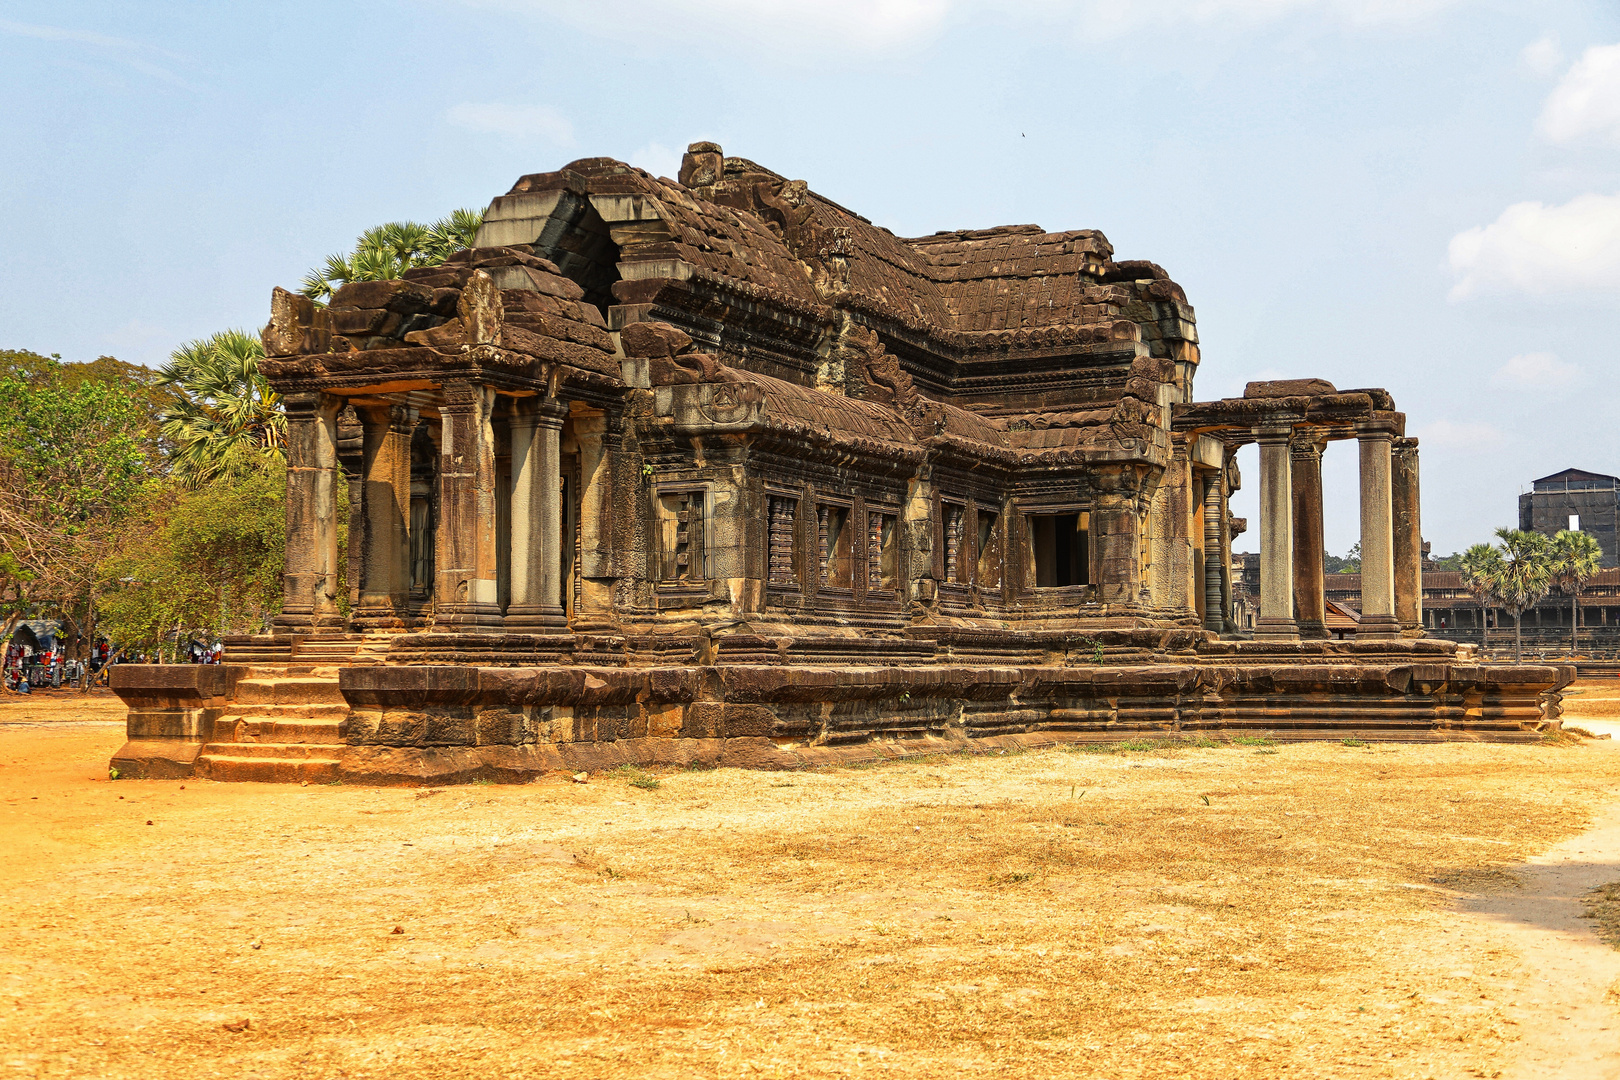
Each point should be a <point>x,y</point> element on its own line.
<point>1292,595</point>
<point>466,589</point>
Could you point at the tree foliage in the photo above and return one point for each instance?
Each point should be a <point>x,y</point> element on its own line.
<point>205,559</point>
<point>76,452</point>
<point>1522,578</point>
<point>385,252</point>
<point>1576,559</point>
<point>225,421</point>
<point>1350,564</point>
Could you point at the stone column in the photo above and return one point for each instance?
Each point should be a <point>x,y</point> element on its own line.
<point>537,517</point>
<point>385,567</point>
<point>309,583</point>
<point>1377,538</point>
<point>464,587</point>
<point>1310,594</point>
<point>1408,548</point>
<point>1214,594</point>
<point>1230,482</point>
<point>1276,620</point>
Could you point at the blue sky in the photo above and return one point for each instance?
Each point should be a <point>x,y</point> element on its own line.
<point>1416,194</point>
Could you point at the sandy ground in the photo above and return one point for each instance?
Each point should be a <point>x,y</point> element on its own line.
<point>1306,910</point>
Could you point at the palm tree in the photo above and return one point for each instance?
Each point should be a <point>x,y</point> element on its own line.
<point>1525,577</point>
<point>385,252</point>
<point>1576,559</point>
<point>228,421</point>
<point>1480,566</point>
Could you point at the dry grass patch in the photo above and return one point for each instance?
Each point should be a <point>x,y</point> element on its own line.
<point>1158,910</point>
<point>1602,906</point>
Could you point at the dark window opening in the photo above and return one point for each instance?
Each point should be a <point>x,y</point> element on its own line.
<point>1059,550</point>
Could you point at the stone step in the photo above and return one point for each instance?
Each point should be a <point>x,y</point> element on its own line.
<point>301,711</point>
<point>289,690</point>
<point>268,750</point>
<point>236,768</point>
<point>266,729</point>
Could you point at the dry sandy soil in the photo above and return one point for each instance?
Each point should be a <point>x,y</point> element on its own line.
<point>1303,910</point>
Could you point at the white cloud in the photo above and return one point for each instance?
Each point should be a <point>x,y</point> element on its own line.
<point>1109,18</point>
<point>790,25</point>
<point>882,26</point>
<point>1538,249</point>
<point>658,159</point>
<point>1459,435</point>
<point>1543,57</point>
<point>135,54</point>
<point>1586,102</point>
<point>514,121</point>
<point>1535,371</point>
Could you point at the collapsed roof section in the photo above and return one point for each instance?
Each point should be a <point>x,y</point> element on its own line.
<point>768,273</point>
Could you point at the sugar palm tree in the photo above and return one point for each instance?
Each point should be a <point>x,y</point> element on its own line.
<point>1480,565</point>
<point>1525,577</point>
<point>385,252</point>
<point>227,421</point>
<point>1576,559</point>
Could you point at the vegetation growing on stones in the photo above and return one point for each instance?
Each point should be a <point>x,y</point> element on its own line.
<point>385,252</point>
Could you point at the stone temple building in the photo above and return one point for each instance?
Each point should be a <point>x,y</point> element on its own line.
<point>1578,500</point>
<point>715,466</point>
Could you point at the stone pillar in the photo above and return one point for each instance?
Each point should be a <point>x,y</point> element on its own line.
<point>309,583</point>
<point>1214,552</point>
<point>464,587</point>
<point>537,517</point>
<point>1377,538</point>
<point>1408,549</point>
<point>1310,595</point>
<point>384,561</point>
<point>1116,530</point>
<point>1276,620</point>
<point>1230,482</point>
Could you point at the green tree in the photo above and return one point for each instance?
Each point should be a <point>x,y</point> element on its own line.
<point>1576,559</point>
<point>75,454</point>
<point>1480,565</point>
<point>1524,578</point>
<point>203,559</point>
<point>385,252</point>
<point>1350,564</point>
<point>226,421</point>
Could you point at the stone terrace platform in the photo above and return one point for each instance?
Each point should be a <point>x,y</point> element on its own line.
<point>784,703</point>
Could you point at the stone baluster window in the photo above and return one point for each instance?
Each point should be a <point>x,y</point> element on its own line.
<point>882,552</point>
<point>955,520</point>
<point>680,520</point>
<point>784,514</point>
<point>835,546</point>
<point>990,562</point>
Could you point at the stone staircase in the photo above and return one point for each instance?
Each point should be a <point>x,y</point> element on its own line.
<point>285,725</point>
<point>315,649</point>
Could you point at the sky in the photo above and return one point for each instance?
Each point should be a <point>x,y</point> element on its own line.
<point>1422,195</point>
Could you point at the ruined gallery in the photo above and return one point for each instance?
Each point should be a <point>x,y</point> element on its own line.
<point>717,470</point>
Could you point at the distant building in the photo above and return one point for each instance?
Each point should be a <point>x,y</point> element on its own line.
<point>1575,499</point>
